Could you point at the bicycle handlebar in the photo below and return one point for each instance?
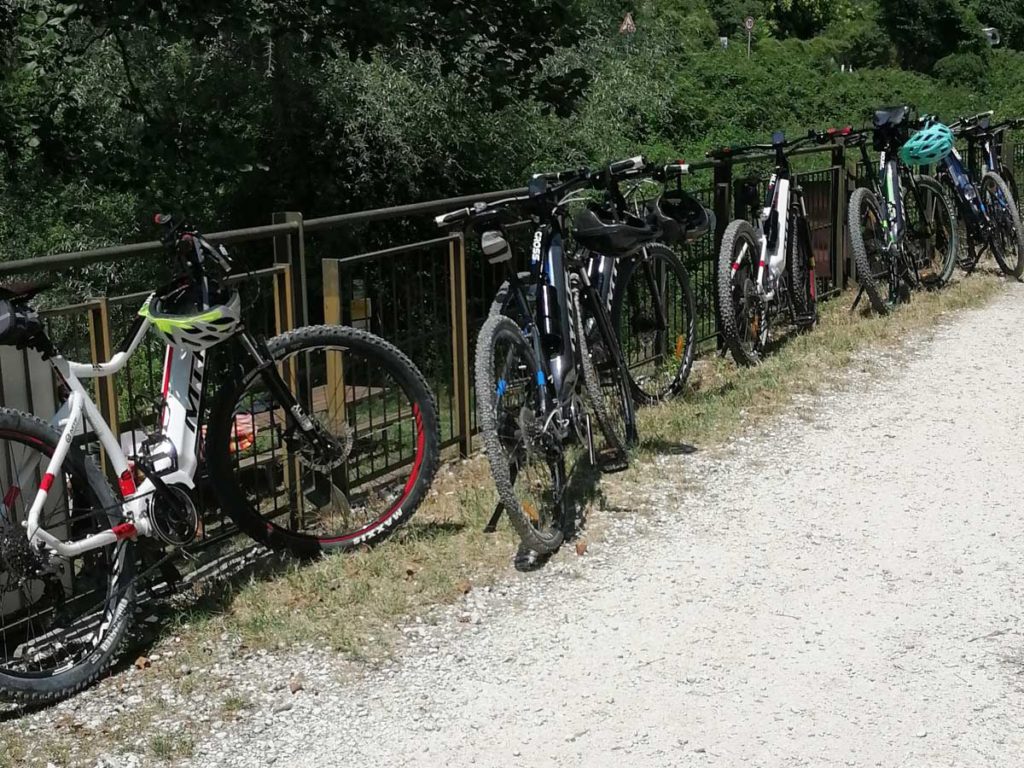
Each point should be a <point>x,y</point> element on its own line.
<point>176,232</point>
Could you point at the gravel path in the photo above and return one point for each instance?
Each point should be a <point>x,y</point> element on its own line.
<point>852,601</point>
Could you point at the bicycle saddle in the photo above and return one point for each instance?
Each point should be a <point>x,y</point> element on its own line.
<point>596,230</point>
<point>891,116</point>
<point>23,291</point>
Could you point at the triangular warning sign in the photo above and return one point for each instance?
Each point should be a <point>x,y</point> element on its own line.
<point>628,26</point>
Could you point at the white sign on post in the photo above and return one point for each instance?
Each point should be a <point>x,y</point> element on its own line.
<point>748,24</point>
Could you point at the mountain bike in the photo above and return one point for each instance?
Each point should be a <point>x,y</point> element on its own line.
<point>995,161</point>
<point>988,212</point>
<point>298,432</point>
<point>766,269</point>
<point>652,301</point>
<point>549,358</point>
<point>902,229</point>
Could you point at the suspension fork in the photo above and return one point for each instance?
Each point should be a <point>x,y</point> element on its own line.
<point>295,416</point>
<point>532,332</point>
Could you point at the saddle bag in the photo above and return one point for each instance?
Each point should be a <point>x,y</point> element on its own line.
<point>19,326</point>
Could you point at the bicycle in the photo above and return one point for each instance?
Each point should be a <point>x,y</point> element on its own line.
<point>989,214</point>
<point>548,356</point>
<point>907,247</point>
<point>652,303</point>
<point>766,269</point>
<point>290,459</point>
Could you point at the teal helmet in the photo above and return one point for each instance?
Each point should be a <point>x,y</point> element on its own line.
<point>928,146</point>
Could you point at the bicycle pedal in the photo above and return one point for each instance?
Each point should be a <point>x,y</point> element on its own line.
<point>610,462</point>
<point>806,320</point>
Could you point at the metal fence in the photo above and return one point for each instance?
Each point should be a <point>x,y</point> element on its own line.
<point>391,272</point>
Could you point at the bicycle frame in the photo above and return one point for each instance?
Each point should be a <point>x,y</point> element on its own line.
<point>182,392</point>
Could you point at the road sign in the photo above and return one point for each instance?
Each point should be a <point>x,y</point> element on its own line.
<point>748,23</point>
<point>628,26</point>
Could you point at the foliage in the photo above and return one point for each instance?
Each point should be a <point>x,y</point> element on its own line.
<point>926,30</point>
<point>1005,15</point>
<point>231,109</point>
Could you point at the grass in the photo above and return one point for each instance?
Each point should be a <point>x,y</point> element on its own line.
<point>353,603</point>
<point>725,399</point>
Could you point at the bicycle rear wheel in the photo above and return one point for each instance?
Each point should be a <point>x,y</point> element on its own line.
<point>655,316</point>
<point>867,242</point>
<point>932,233</point>
<point>60,628</point>
<point>527,461</point>
<point>606,382</point>
<point>364,475</point>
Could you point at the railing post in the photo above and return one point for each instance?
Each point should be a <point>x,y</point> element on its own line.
<point>290,249</point>
<point>460,344</point>
<point>101,349</point>
<point>839,190</point>
<point>723,215</point>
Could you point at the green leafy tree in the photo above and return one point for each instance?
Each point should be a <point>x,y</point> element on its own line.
<point>925,31</point>
<point>1005,15</point>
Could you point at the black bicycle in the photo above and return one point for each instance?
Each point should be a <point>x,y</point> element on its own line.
<point>987,212</point>
<point>902,229</point>
<point>651,297</point>
<point>548,358</point>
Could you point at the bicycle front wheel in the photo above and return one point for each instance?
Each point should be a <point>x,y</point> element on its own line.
<point>364,470</point>
<point>526,459</point>
<point>868,245</point>
<point>1008,245</point>
<point>655,317</point>
<point>61,623</point>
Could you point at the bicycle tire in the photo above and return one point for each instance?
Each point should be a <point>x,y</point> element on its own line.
<point>609,397</point>
<point>803,293</point>
<point>737,234</point>
<point>548,533</point>
<point>682,351</point>
<point>1007,219</point>
<point>863,201</point>
<point>112,624</point>
<point>408,491</point>
<point>947,264</point>
<point>1011,182</point>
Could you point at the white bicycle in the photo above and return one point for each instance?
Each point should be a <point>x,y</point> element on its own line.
<point>322,438</point>
<point>766,272</point>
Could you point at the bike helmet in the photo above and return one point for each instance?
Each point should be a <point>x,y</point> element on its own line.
<point>928,146</point>
<point>186,321</point>
<point>688,218</point>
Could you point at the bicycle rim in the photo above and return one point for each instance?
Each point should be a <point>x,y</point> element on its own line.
<point>354,482</point>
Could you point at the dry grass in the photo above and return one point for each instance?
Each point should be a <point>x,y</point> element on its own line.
<point>724,399</point>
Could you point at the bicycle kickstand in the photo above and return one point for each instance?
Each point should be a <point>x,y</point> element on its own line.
<point>492,524</point>
<point>856,301</point>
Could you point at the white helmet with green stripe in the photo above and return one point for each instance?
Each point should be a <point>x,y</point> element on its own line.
<point>186,325</point>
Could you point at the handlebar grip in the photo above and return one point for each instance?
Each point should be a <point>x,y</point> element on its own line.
<point>675,169</point>
<point>451,217</point>
<point>631,164</point>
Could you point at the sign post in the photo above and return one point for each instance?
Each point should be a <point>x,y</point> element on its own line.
<point>748,24</point>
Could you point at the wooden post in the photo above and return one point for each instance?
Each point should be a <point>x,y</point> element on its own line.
<point>101,350</point>
<point>460,344</point>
